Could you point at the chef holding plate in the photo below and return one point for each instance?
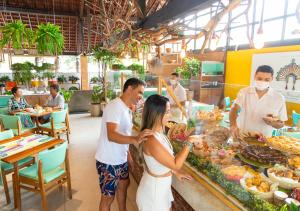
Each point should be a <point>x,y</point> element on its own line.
<point>261,108</point>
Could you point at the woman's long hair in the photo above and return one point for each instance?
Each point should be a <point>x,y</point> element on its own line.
<point>154,110</point>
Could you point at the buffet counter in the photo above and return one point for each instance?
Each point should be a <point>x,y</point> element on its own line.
<point>248,173</point>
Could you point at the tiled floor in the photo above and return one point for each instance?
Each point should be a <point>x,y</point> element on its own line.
<point>84,133</point>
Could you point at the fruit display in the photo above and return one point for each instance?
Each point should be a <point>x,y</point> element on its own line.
<point>285,144</point>
<point>214,115</point>
<point>285,177</point>
<point>263,155</point>
<point>260,185</point>
<point>179,132</point>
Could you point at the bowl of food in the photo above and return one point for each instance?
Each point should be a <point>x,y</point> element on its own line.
<point>260,185</point>
<point>285,177</point>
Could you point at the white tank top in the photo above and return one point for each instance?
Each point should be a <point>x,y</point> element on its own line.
<point>153,165</point>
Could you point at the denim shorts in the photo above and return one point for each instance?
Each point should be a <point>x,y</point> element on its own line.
<point>110,175</point>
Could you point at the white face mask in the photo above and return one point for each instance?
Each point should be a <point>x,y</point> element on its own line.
<point>173,82</point>
<point>261,85</point>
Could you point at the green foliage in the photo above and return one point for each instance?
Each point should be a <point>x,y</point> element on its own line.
<point>15,34</point>
<point>139,69</point>
<point>191,67</point>
<point>4,79</point>
<point>95,80</point>
<point>49,39</point>
<point>104,55</point>
<point>111,94</point>
<point>61,79</point>
<point>22,72</point>
<point>73,88</point>
<point>73,79</point>
<point>67,94</point>
<point>184,73</point>
<point>45,66</point>
<point>118,67</point>
<point>49,75</point>
<point>97,95</point>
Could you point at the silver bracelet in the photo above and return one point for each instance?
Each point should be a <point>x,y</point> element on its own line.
<point>189,144</point>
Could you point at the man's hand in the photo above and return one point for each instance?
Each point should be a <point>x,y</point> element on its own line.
<point>143,136</point>
<point>275,124</point>
<point>235,132</point>
<point>182,177</point>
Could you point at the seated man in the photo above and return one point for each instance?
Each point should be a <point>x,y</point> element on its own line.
<point>55,101</point>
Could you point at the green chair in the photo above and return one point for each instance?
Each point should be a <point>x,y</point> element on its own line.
<point>4,100</point>
<point>7,168</point>
<point>47,173</point>
<point>227,103</point>
<point>59,124</point>
<point>4,110</point>
<point>14,123</point>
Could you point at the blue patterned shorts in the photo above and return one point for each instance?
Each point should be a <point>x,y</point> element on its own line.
<point>110,175</point>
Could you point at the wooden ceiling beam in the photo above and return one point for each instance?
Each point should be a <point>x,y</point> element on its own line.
<point>173,10</point>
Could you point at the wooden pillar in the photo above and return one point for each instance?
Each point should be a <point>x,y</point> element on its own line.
<point>84,72</point>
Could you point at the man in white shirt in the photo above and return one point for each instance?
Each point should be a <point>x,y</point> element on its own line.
<point>180,95</point>
<point>256,103</point>
<point>112,154</point>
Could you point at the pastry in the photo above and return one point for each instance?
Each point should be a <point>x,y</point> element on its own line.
<point>285,144</point>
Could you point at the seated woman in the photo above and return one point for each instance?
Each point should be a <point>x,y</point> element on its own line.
<point>17,102</point>
<point>156,153</point>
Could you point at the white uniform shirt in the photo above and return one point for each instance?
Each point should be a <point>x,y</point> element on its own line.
<point>254,109</point>
<point>180,94</point>
<point>109,152</point>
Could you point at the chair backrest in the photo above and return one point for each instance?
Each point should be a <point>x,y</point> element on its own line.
<point>6,134</point>
<point>4,110</point>
<point>10,121</point>
<point>66,106</point>
<point>59,116</point>
<point>227,102</point>
<point>53,158</point>
<point>4,100</point>
<point>295,117</point>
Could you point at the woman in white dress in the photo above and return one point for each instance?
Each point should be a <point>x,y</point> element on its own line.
<point>154,191</point>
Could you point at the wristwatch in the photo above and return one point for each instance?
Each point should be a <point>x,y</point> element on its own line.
<point>189,144</point>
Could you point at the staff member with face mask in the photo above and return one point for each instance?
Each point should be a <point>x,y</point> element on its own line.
<point>180,94</point>
<point>256,103</point>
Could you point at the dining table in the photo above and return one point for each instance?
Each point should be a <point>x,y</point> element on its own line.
<point>14,149</point>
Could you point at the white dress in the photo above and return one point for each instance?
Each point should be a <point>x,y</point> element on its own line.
<point>154,193</point>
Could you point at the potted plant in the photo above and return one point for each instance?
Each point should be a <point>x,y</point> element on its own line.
<point>96,99</point>
<point>73,79</point>
<point>22,72</point>
<point>118,67</point>
<point>14,34</point>
<point>61,79</point>
<point>4,79</point>
<point>49,77</point>
<point>67,95</point>
<point>94,80</point>
<point>190,68</point>
<point>139,69</point>
<point>73,88</point>
<point>49,39</point>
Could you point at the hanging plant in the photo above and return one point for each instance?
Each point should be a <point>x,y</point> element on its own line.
<point>104,55</point>
<point>15,34</point>
<point>49,39</point>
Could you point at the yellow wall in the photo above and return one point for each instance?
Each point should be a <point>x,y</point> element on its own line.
<point>238,70</point>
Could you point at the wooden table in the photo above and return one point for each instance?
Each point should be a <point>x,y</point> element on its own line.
<point>13,159</point>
